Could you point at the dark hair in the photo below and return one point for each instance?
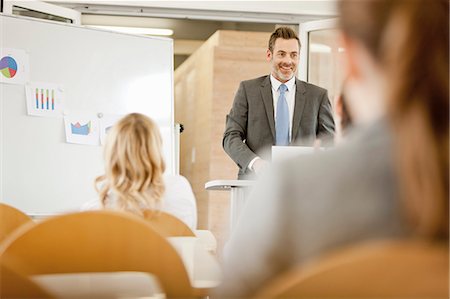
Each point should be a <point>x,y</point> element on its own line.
<point>284,33</point>
<point>346,118</point>
<point>409,40</point>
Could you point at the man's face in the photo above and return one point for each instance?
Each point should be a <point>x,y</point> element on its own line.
<point>284,59</point>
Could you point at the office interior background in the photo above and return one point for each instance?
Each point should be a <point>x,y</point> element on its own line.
<point>217,44</point>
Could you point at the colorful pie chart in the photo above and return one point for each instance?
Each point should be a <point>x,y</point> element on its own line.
<point>8,67</point>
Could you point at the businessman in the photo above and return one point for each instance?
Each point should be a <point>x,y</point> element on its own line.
<point>277,109</point>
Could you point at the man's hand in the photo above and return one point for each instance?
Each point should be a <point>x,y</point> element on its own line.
<point>259,166</point>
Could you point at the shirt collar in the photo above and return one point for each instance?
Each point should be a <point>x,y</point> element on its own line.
<point>276,84</point>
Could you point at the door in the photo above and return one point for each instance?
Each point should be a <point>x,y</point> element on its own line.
<point>321,55</point>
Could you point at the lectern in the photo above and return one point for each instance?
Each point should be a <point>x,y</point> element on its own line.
<point>239,190</point>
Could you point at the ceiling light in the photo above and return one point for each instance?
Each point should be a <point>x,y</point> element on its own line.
<point>319,48</point>
<point>136,30</point>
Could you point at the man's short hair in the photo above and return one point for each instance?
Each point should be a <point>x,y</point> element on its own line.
<point>284,33</point>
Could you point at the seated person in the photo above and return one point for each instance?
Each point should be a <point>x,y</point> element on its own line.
<point>134,167</point>
<point>390,180</point>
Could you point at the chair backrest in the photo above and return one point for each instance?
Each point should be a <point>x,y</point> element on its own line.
<point>10,219</point>
<point>402,269</point>
<point>97,241</point>
<point>167,224</point>
<point>15,285</point>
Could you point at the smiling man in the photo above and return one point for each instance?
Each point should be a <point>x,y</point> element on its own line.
<point>277,109</point>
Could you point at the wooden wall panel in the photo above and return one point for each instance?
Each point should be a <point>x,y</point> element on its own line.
<point>193,86</point>
<point>202,102</point>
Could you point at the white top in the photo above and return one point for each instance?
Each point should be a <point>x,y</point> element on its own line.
<point>178,200</point>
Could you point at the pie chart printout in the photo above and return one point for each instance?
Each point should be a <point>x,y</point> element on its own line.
<point>8,66</point>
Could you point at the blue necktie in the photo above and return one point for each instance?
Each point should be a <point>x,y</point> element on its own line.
<point>282,121</point>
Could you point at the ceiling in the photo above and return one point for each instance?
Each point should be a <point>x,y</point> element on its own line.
<point>193,22</point>
<point>186,29</point>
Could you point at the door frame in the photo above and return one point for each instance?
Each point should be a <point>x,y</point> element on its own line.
<point>305,29</point>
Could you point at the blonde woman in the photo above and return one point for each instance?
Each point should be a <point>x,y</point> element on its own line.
<point>134,177</point>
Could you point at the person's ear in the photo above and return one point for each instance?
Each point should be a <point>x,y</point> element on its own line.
<point>350,63</point>
<point>269,55</point>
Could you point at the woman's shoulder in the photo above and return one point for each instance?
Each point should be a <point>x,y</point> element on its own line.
<point>177,186</point>
<point>175,179</point>
<point>93,204</point>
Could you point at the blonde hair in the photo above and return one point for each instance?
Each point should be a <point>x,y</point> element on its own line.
<point>134,165</point>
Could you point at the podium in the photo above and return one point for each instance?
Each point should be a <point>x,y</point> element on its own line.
<point>239,191</point>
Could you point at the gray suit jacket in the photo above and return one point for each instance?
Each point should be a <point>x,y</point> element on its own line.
<point>250,125</point>
<point>313,204</point>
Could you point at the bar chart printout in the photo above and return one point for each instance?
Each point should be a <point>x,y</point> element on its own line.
<point>44,99</point>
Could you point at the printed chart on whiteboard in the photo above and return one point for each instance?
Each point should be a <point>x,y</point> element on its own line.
<point>82,128</point>
<point>44,99</point>
<point>14,66</point>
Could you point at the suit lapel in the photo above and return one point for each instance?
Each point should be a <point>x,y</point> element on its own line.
<point>300,100</point>
<point>266,92</point>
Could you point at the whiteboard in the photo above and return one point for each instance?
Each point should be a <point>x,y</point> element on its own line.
<point>100,72</point>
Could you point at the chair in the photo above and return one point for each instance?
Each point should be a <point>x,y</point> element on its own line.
<point>206,239</point>
<point>170,226</point>
<point>15,285</point>
<point>401,269</point>
<point>98,241</point>
<point>167,225</point>
<point>10,219</point>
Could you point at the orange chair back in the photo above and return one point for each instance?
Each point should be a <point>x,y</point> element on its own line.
<point>97,241</point>
<point>405,269</point>
<point>15,285</point>
<point>167,224</point>
<point>11,219</point>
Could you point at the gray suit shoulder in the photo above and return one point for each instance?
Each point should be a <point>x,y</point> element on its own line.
<point>257,82</point>
<point>254,82</point>
<point>260,80</point>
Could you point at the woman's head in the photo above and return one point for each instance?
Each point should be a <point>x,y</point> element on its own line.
<point>134,164</point>
<point>398,50</point>
<point>406,41</point>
